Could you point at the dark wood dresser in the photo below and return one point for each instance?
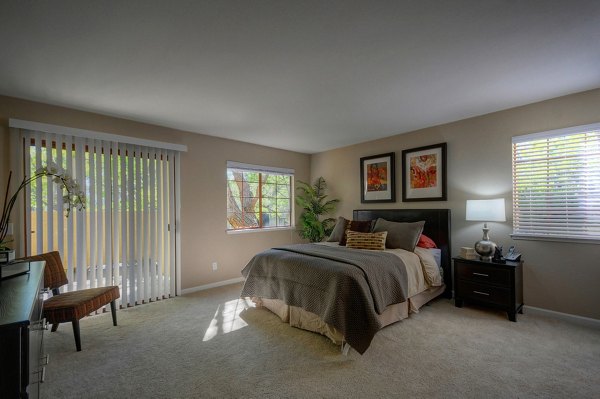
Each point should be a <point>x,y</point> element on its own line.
<point>21,334</point>
<point>498,285</point>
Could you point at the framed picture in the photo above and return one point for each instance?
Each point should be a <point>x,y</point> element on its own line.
<point>424,173</point>
<point>378,178</point>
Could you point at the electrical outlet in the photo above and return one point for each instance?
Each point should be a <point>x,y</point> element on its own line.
<point>215,266</point>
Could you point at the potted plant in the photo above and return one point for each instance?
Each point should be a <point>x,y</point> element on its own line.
<point>312,199</point>
<point>73,197</point>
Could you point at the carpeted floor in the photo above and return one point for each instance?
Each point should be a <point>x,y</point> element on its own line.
<point>212,345</point>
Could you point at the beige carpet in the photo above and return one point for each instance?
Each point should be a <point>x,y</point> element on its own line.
<point>205,345</point>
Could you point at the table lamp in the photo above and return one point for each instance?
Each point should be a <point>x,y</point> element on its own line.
<point>491,210</point>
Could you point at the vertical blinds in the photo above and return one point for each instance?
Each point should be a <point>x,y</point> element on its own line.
<point>124,236</point>
<point>556,184</point>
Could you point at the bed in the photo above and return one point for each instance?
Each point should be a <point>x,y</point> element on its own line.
<point>348,295</point>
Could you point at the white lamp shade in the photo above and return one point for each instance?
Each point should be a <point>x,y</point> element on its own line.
<point>491,210</point>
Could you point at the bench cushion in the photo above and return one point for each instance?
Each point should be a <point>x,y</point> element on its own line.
<point>77,304</point>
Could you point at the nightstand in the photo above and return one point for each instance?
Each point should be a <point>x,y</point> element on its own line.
<point>498,285</point>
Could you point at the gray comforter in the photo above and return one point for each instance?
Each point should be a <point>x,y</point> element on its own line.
<point>346,287</point>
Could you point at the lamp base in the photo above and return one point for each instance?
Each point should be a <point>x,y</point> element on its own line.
<point>485,249</point>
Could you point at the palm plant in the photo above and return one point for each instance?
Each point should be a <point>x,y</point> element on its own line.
<point>312,199</point>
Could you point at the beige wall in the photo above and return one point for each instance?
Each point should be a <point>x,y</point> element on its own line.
<point>203,189</point>
<point>558,276</point>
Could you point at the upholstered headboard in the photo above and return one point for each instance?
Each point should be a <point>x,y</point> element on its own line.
<point>437,227</point>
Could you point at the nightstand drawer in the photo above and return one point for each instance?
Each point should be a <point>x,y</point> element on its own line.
<point>484,274</point>
<point>484,292</point>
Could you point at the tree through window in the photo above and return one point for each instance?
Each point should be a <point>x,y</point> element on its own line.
<point>258,197</point>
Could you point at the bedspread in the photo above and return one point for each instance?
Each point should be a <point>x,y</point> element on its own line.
<point>346,287</point>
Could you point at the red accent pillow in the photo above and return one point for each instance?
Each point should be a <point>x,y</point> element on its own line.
<point>426,242</point>
<point>356,225</point>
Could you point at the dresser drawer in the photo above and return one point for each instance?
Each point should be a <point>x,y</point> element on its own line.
<point>483,292</point>
<point>483,273</point>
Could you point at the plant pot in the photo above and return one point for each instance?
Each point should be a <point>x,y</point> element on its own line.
<point>7,255</point>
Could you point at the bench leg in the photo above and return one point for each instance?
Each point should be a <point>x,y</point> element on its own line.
<point>76,334</point>
<point>113,311</point>
<point>54,327</point>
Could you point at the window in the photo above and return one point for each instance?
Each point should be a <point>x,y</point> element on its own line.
<point>126,235</point>
<point>556,184</point>
<point>258,197</point>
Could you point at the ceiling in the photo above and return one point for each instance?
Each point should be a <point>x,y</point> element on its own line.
<point>301,75</point>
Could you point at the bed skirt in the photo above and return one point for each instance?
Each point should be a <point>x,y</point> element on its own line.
<point>300,318</point>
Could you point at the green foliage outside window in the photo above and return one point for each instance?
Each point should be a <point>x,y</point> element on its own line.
<point>258,200</point>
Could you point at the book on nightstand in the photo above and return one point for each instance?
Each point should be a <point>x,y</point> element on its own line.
<point>468,253</point>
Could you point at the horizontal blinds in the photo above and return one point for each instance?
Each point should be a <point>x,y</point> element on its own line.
<point>556,184</point>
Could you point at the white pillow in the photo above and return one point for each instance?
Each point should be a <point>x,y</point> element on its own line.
<point>431,270</point>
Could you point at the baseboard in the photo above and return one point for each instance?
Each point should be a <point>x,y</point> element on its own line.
<point>212,285</point>
<point>588,321</point>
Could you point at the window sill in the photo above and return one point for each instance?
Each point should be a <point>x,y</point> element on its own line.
<point>556,239</point>
<point>261,230</point>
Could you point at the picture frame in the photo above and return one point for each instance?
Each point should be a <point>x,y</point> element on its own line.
<point>424,173</point>
<point>378,178</point>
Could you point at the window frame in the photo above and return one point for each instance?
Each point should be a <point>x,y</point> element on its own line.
<point>536,232</point>
<point>261,170</point>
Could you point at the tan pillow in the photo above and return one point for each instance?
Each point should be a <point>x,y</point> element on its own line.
<point>366,240</point>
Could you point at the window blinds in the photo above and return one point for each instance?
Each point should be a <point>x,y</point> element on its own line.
<point>556,184</point>
<point>124,236</point>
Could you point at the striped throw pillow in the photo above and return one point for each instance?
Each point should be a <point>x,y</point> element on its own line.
<point>366,240</point>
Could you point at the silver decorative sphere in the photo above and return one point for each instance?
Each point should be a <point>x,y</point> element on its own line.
<point>485,249</point>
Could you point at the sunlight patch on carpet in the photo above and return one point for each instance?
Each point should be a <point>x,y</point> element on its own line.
<point>227,318</point>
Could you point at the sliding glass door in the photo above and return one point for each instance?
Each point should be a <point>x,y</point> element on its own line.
<point>125,236</point>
